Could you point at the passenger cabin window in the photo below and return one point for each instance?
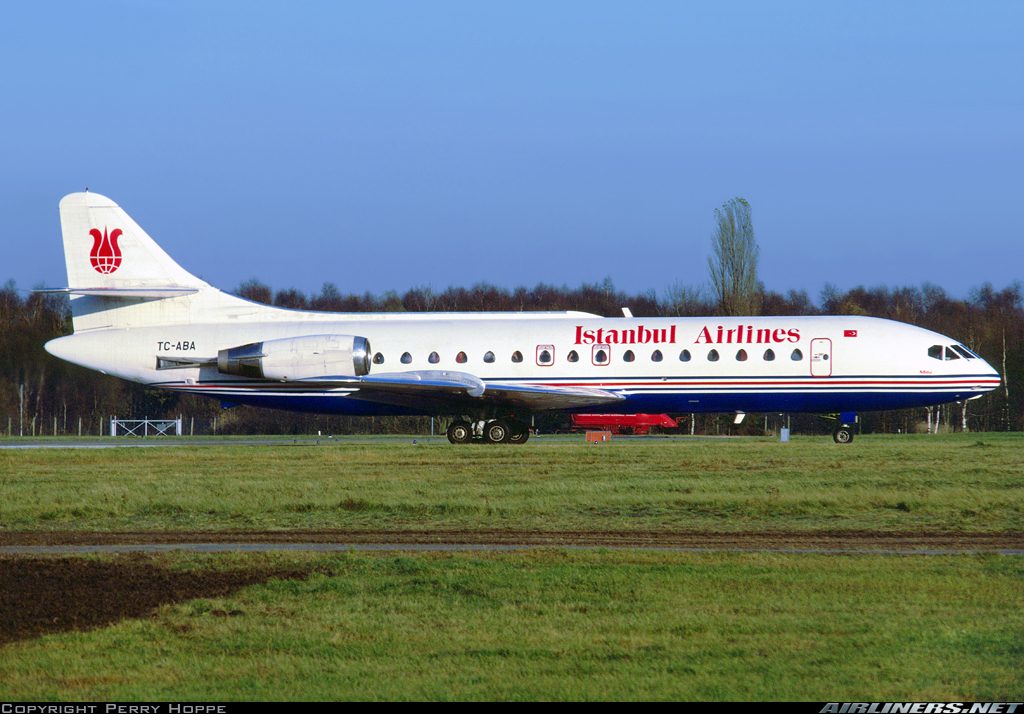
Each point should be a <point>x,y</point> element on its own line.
<point>573,356</point>
<point>684,356</point>
<point>656,356</point>
<point>741,356</point>
<point>601,355</point>
<point>488,357</point>
<point>434,358</point>
<point>461,358</point>
<point>769,355</point>
<point>378,358</point>
<point>713,356</point>
<point>517,356</point>
<point>545,355</point>
<point>406,358</point>
<point>797,355</point>
<point>628,356</point>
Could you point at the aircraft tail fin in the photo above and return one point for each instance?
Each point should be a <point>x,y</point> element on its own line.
<point>105,248</point>
<point>118,276</point>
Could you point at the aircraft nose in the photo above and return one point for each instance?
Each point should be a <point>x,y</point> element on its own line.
<point>992,378</point>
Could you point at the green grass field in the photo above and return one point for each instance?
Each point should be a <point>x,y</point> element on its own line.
<point>547,623</point>
<point>551,625</point>
<point>969,483</point>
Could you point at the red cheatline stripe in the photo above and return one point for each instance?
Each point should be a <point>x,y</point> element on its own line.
<point>824,381</point>
<point>818,385</point>
<point>651,382</point>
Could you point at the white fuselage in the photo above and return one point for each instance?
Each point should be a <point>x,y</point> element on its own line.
<point>816,364</point>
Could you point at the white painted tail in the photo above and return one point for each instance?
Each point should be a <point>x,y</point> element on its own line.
<point>119,277</point>
<point>104,247</point>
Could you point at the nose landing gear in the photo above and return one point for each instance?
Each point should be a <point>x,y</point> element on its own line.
<point>843,434</point>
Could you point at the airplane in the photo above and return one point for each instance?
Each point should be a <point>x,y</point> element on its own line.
<point>140,316</point>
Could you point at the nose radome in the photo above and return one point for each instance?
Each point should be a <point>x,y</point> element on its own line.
<point>991,373</point>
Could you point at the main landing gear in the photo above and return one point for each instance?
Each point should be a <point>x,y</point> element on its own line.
<point>491,431</point>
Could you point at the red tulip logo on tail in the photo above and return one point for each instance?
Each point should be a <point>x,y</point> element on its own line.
<point>105,255</point>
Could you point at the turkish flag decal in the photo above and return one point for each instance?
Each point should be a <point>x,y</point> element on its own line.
<point>849,333</point>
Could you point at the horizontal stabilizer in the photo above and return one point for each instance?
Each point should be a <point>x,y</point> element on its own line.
<point>143,293</point>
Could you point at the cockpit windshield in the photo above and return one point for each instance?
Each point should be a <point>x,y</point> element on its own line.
<point>950,352</point>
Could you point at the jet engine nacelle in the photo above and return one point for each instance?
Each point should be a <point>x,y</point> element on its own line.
<point>304,357</point>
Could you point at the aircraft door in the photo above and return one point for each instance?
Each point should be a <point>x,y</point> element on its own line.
<point>821,357</point>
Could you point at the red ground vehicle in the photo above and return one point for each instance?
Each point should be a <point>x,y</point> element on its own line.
<point>623,423</point>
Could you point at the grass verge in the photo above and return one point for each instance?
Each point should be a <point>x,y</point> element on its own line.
<point>963,482</point>
<point>555,625</point>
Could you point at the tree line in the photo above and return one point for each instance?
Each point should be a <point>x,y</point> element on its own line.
<point>41,394</point>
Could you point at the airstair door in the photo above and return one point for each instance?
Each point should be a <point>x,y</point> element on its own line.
<point>821,357</point>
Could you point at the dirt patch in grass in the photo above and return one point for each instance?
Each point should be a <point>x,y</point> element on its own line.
<point>39,596</point>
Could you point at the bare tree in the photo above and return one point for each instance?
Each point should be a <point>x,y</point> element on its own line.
<point>733,265</point>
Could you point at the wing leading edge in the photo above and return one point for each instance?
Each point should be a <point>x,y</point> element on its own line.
<point>455,389</point>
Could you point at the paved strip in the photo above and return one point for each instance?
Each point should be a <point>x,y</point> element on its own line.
<point>463,547</point>
<point>155,442</point>
<point>127,442</point>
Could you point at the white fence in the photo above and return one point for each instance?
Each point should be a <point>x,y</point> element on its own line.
<point>145,427</point>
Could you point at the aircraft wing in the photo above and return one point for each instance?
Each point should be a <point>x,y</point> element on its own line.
<point>442,389</point>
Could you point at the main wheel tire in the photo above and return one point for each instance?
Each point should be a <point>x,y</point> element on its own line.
<point>497,432</point>
<point>460,432</point>
<point>520,433</point>
<point>843,435</point>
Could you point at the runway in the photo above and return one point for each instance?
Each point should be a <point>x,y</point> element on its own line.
<point>161,442</point>
<point>128,442</point>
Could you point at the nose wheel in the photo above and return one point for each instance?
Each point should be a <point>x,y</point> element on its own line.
<point>843,434</point>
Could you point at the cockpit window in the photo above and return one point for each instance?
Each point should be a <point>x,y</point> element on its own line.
<point>950,352</point>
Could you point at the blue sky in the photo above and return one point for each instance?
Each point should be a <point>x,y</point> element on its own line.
<point>390,145</point>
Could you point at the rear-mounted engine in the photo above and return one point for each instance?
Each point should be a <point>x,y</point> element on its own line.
<point>306,357</point>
